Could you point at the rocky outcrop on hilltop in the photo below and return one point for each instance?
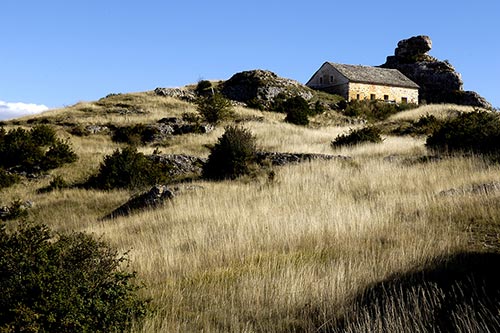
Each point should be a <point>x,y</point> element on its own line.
<point>438,80</point>
<point>260,87</point>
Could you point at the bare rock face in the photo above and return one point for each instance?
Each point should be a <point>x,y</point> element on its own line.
<point>179,93</point>
<point>261,87</point>
<point>438,80</point>
<point>413,47</point>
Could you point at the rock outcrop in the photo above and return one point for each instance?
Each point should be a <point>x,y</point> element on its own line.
<point>179,165</point>
<point>260,87</point>
<point>277,158</point>
<point>153,198</point>
<point>438,80</point>
<point>179,93</point>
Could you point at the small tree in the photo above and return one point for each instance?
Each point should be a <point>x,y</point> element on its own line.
<point>354,137</point>
<point>203,87</point>
<point>127,168</point>
<point>232,155</point>
<point>214,108</point>
<point>69,283</point>
<point>297,110</point>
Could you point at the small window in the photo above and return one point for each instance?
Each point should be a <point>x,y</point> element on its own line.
<point>372,97</point>
<point>320,80</point>
<point>331,78</point>
<point>404,100</point>
<point>386,97</point>
<point>358,97</point>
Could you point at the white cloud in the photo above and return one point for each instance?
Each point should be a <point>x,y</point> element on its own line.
<point>14,110</point>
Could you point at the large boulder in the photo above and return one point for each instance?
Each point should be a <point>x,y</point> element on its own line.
<point>413,47</point>
<point>260,87</point>
<point>438,80</point>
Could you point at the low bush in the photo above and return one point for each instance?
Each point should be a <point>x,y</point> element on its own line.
<point>17,210</point>
<point>35,150</point>
<point>58,183</point>
<point>477,132</point>
<point>425,125</point>
<point>68,283</point>
<point>7,179</point>
<point>127,168</point>
<point>135,135</point>
<point>297,110</point>
<point>204,87</point>
<point>232,156</point>
<point>362,135</point>
<point>214,108</point>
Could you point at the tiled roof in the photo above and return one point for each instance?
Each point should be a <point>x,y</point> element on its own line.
<point>374,75</point>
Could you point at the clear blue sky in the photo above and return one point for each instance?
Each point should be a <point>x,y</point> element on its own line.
<point>56,52</point>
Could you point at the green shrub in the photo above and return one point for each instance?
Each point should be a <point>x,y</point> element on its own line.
<point>34,150</point>
<point>127,168</point>
<point>297,110</point>
<point>7,179</point>
<point>362,135</point>
<point>232,155</point>
<point>69,283</point>
<point>214,108</point>
<point>17,210</point>
<point>477,132</point>
<point>425,125</point>
<point>203,87</point>
<point>57,183</point>
<point>135,135</point>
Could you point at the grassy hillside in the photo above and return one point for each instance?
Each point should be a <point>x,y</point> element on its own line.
<point>325,246</point>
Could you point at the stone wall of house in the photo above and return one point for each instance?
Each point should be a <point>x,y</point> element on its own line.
<point>397,94</point>
<point>326,77</point>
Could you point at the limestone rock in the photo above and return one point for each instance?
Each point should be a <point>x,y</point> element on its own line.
<point>438,80</point>
<point>179,93</point>
<point>155,197</point>
<point>177,126</point>
<point>180,165</point>
<point>413,47</point>
<point>261,87</point>
<point>277,158</point>
<point>483,188</point>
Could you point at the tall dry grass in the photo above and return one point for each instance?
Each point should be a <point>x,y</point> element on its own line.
<point>284,255</point>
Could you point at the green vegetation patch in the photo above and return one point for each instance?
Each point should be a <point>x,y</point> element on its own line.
<point>127,168</point>
<point>477,132</point>
<point>232,156</point>
<point>357,136</point>
<point>68,283</point>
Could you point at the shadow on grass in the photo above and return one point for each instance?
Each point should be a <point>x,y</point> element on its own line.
<point>460,293</point>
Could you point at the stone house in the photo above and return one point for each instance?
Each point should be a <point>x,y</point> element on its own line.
<point>355,82</point>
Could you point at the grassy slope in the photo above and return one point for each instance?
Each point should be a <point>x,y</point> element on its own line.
<point>288,255</point>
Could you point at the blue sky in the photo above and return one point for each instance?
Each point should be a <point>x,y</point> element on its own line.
<point>56,53</point>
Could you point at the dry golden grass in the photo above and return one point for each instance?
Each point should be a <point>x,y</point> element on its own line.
<point>273,256</point>
<point>440,111</point>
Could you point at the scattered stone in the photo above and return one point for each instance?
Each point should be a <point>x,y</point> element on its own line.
<point>438,80</point>
<point>260,87</point>
<point>17,209</point>
<point>178,126</point>
<point>180,165</point>
<point>96,129</point>
<point>276,158</point>
<point>179,93</point>
<point>484,188</point>
<point>153,198</point>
